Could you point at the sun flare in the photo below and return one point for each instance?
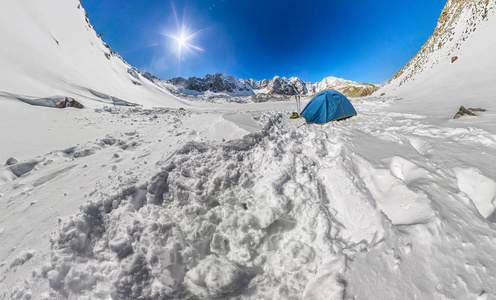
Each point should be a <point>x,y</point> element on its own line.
<point>183,38</point>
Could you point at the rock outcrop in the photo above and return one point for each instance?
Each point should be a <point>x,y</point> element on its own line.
<point>69,102</point>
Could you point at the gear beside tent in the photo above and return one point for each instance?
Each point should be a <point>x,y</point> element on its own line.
<point>328,106</point>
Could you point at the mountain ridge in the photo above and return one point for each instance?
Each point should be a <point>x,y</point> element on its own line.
<point>223,83</point>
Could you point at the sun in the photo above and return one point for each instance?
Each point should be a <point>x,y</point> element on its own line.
<point>183,38</point>
<point>181,41</point>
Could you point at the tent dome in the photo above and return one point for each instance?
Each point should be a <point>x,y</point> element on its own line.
<point>328,106</point>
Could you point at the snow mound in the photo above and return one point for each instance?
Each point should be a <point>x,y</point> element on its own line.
<point>218,220</point>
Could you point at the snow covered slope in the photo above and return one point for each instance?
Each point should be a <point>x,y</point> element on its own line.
<point>49,50</point>
<point>174,205</point>
<point>457,65</point>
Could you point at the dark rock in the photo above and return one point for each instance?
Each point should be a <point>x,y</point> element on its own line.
<point>62,104</point>
<point>75,104</point>
<point>69,102</point>
<point>467,111</point>
<point>149,76</point>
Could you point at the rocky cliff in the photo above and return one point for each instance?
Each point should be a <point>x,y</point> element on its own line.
<point>458,21</point>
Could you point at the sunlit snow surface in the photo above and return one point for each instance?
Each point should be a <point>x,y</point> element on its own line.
<point>380,205</point>
<point>237,200</point>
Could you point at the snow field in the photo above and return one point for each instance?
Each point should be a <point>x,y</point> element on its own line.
<point>178,208</point>
<point>214,224</point>
<point>61,180</point>
<point>441,245</point>
<point>237,201</point>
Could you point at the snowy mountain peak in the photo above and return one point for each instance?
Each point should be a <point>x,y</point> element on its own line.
<point>227,84</point>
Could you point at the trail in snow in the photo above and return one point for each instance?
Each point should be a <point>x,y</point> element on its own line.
<point>53,186</point>
<point>288,212</point>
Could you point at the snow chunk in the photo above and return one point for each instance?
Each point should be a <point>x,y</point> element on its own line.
<point>11,161</point>
<point>215,277</point>
<point>22,258</point>
<point>23,168</point>
<point>390,188</point>
<point>121,246</point>
<point>481,189</point>
<point>422,146</point>
<point>328,284</point>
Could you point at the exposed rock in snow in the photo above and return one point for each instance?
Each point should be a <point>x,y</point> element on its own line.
<point>69,102</point>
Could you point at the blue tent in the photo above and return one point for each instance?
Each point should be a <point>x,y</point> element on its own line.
<point>328,106</point>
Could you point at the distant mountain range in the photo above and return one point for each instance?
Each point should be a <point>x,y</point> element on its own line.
<point>220,83</point>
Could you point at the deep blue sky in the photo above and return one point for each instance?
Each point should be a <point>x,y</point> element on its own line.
<point>361,40</point>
